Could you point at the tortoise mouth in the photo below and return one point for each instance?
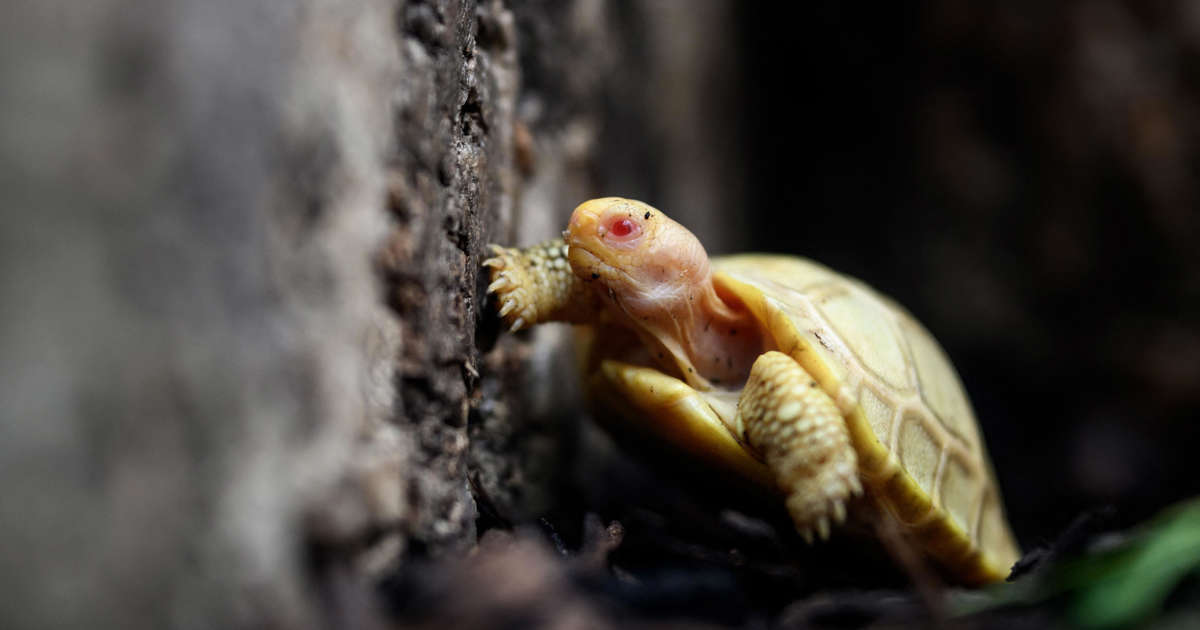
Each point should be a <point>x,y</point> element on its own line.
<point>591,268</point>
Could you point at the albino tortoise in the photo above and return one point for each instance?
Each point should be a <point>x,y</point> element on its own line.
<point>774,367</point>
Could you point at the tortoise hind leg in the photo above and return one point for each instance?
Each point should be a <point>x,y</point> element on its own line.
<point>802,437</point>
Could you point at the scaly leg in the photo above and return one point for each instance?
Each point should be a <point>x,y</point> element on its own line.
<point>802,437</point>
<point>536,285</point>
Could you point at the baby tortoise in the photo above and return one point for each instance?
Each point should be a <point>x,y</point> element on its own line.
<point>773,367</point>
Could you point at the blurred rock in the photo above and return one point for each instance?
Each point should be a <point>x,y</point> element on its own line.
<point>189,192</point>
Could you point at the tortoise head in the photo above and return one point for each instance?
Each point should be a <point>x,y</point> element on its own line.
<point>649,264</point>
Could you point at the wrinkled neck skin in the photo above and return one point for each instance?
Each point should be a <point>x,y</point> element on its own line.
<point>654,276</point>
<point>691,329</point>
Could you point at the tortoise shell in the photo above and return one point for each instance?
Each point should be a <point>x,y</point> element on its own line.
<point>920,452</point>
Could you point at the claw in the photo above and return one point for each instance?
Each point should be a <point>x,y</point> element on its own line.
<point>807,535</point>
<point>517,324</point>
<point>496,249</point>
<point>498,284</point>
<point>507,307</point>
<point>823,527</point>
<point>839,512</point>
<point>493,262</point>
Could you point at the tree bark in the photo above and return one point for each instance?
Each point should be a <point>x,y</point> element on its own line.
<point>242,310</point>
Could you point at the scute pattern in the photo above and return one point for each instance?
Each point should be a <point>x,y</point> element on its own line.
<point>876,348</point>
<point>918,450</point>
<point>881,364</point>
<point>958,498</point>
<point>879,411</point>
<point>939,383</point>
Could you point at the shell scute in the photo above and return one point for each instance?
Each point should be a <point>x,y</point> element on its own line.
<point>908,416</point>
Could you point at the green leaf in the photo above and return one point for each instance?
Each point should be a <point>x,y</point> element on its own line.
<point>1129,584</point>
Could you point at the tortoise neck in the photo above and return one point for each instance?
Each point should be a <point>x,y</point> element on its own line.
<point>712,341</point>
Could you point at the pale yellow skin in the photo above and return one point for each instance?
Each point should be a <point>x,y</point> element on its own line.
<point>831,389</point>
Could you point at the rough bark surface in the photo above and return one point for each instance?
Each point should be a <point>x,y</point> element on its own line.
<point>449,179</point>
<point>241,295</point>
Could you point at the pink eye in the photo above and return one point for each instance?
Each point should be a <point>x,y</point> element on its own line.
<point>621,231</point>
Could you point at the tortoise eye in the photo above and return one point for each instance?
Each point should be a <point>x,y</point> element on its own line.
<point>620,230</point>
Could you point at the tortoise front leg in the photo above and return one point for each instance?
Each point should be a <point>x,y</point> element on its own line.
<point>536,285</point>
<point>802,437</point>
